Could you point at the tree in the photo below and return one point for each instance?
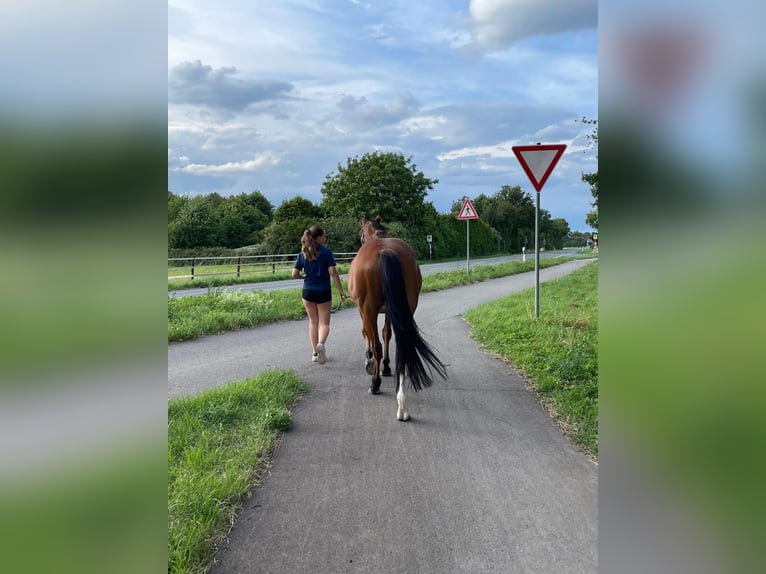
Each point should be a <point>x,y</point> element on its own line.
<point>194,226</point>
<point>510,211</point>
<point>591,218</point>
<point>175,203</point>
<point>257,200</point>
<point>290,220</point>
<point>234,225</point>
<point>342,233</point>
<point>379,183</point>
<point>556,230</point>
<point>517,213</point>
<point>576,239</point>
<point>283,237</point>
<point>296,208</point>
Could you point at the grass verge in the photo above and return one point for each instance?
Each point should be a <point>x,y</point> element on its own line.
<point>218,310</point>
<point>228,277</point>
<point>217,444</point>
<point>557,352</point>
<point>447,279</point>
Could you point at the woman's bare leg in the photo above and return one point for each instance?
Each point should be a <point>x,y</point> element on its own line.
<point>323,316</point>
<point>313,313</point>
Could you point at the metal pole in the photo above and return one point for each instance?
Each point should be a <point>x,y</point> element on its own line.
<point>468,245</point>
<point>537,256</point>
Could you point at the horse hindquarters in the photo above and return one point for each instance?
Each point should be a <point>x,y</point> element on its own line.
<point>411,349</point>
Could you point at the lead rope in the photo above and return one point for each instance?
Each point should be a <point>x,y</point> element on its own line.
<point>340,304</point>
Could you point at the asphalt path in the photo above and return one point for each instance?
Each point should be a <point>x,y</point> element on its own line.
<point>426,269</point>
<point>481,479</point>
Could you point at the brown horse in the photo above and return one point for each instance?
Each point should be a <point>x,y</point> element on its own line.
<point>384,277</point>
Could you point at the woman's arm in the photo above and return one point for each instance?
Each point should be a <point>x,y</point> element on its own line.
<point>337,281</point>
<point>296,274</point>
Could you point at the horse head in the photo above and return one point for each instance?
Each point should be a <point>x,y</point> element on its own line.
<point>371,228</point>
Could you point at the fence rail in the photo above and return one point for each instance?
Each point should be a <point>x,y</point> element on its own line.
<point>238,265</point>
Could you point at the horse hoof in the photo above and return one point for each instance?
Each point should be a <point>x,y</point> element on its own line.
<point>402,417</point>
<point>373,391</point>
<point>369,367</point>
<point>386,371</point>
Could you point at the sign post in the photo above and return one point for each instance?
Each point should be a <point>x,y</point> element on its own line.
<point>538,162</point>
<point>429,238</point>
<point>468,213</point>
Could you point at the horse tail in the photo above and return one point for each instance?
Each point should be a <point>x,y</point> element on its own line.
<point>411,349</point>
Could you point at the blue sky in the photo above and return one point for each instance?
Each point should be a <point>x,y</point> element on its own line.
<point>274,95</point>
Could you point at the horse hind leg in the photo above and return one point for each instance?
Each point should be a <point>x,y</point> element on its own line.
<point>373,352</point>
<point>375,382</point>
<point>369,359</point>
<point>386,341</point>
<point>401,412</point>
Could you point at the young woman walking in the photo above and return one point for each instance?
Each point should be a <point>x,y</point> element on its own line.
<point>318,266</point>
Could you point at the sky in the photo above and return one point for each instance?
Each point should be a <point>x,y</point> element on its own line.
<point>274,96</point>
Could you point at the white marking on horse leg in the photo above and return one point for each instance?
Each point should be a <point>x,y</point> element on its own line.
<point>401,413</point>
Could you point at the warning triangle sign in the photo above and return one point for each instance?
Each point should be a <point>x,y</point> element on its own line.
<point>467,211</point>
<point>538,161</point>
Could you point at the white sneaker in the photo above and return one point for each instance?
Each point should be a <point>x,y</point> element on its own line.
<point>321,356</point>
<point>314,358</point>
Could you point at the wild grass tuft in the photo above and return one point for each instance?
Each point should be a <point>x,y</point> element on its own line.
<point>557,352</point>
<point>218,311</point>
<point>217,444</point>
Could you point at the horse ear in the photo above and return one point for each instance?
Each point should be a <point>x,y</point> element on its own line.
<point>377,218</point>
<point>361,220</point>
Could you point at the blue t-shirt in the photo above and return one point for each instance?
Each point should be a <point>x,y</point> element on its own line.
<point>317,275</point>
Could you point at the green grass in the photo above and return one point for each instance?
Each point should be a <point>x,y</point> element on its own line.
<point>218,311</point>
<point>447,279</point>
<point>208,275</point>
<point>217,446</point>
<point>557,352</point>
<point>260,274</point>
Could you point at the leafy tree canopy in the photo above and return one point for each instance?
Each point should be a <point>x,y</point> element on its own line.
<point>194,225</point>
<point>215,221</point>
<point>296,208</point>
<point>379,183</point>
<point>591,218</point>
<point>510,211</point>
<point>257,200</point>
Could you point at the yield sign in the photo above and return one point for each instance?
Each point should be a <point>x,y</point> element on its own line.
<point>467,211</point>
<point>538,161</point>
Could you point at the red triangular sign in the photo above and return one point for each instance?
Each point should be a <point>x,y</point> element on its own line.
<point>538,161</point>
<point>468,212</point>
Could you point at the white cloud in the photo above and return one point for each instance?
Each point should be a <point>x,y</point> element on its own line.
<point>494,151</point>
<point>429,125</point>
<point>231,168</point>
<point>496,24</point>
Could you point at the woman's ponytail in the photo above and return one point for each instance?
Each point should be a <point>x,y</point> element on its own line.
<point>309,243</point>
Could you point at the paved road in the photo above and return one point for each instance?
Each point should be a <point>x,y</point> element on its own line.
<point>480,480</point>
<point>426,269</point>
